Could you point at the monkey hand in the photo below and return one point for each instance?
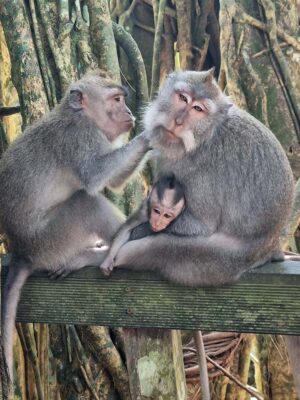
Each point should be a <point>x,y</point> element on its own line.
<point>153,137</point>
<point>107,266</point>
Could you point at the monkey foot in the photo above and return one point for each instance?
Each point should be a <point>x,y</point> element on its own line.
<point>106,267</point>
<point>59,273</point>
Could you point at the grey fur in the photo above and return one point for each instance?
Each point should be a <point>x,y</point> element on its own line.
<point>122,236</point>
<point>142,215</point>
<point>51,177</point>
<point>238,185</point>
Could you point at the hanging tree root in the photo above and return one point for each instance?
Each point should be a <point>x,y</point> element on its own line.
<point>228,72</point>
<point>128,44</point>
<point>198,339</point>
<point>31,350</point>
<point>157,49</point>
<point>184,38</point>
<point>245,18</point>
<point>98,340</point>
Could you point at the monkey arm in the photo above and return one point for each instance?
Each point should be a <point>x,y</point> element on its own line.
<point>131,157</point>
<point>187,225</point>
<point>112,169</point>
<point>123,235</point>
<point>215,260</point>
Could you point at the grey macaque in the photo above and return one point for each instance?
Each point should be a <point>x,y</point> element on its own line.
<point>51,177</point>
<point>237,182</point>
<point>163,205</point>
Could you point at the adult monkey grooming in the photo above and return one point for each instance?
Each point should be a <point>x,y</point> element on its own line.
<point>50,179</point>
<point>237,182</point>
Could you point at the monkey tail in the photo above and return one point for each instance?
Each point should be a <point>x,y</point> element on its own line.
<point>18,273</point>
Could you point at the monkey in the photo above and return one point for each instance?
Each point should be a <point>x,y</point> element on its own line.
<point>163,205</point>
<point>51,178</point>
<point>237,181</point>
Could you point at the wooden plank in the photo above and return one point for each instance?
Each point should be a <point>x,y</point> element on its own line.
<point>265,300</point>
<point>155,364</point>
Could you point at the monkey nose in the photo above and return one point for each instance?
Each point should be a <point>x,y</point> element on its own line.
<point>179,121</point>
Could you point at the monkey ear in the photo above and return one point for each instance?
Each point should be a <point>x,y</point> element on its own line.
<point>209,76</point>
<point>76,99</point>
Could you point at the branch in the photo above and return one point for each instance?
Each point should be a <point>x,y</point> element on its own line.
<point>103,38</point>
<point>202,365</point>
<point>84,362</point>
<point>5,111</point>
<point>31,348</point>
<point>128,44</point>
<point>245,18</point>
<point>259,87</point>
<point>184,37</point>
<point>25,67</point>
<point>85,53</point>
<point>60,47</point>
<point>234,379</point>
<point>40,55</point>
<point>285,72</point>
<point>157,48</point>
<point>98,340</point>
<point>229,67</point>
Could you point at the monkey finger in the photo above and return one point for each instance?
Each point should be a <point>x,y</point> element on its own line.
<point>107,267</point>
<point>106,271</point>
<point>59,273</point>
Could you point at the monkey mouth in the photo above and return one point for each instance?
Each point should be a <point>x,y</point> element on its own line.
<point>157,229</point>
<point>129,123</point>
<point>171,135</point>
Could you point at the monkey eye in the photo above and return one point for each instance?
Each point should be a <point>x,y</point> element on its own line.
<point>168,216</point>
<point>156,210</point>
<point>117,98</point>
<point>198,108</point>
<point>183,97</point>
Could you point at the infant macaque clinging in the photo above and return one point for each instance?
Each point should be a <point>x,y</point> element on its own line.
<point>163,205</point>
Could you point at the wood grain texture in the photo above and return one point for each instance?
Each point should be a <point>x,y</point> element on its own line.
<point>265,300</point>
<point>155,364</point>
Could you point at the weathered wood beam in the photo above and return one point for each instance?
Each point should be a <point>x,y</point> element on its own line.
<point>265,300</point>
<point>155,364</point>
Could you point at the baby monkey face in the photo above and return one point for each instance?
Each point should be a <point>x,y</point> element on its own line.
<point>163,211</point>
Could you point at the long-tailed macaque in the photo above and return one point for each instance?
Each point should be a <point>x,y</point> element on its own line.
<point>51,177</point>
<point>164,204</point>
<point>237,182</point>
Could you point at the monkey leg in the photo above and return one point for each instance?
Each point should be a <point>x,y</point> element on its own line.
<point>92,257</point>
<point>72,228</point>
<point>107,265</point>
<point>192,261</point>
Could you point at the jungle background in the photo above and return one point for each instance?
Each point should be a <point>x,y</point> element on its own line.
<point>45,45</point>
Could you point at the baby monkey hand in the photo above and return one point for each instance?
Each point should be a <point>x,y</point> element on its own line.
<point>108,265</point>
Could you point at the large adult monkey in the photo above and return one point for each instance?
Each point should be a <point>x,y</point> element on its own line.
<point>51,177</point>
<point>237,182</point>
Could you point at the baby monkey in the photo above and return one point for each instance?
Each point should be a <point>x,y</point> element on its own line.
<point>164,204</point>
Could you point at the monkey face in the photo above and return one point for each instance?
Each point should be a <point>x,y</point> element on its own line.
<point>164,211</point>
<point>103,102</point>
<point>187,114</point>
<point>110,112</point>
<point>186,107</point>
